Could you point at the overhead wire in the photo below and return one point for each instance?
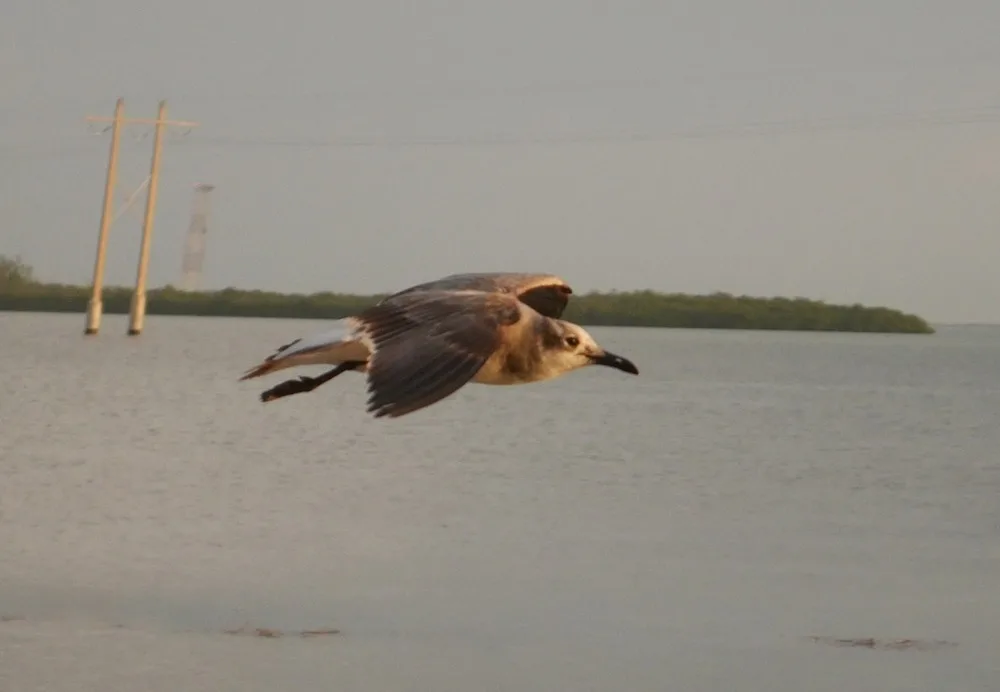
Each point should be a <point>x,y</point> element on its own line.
<point>897,120</point>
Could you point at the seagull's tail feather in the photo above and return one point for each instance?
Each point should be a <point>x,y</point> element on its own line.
<point>332,347</point>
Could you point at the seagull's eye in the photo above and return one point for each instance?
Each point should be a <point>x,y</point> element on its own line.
<point>572,341</point>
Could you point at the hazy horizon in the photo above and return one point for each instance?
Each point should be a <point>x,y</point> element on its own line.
<point>842,151</point>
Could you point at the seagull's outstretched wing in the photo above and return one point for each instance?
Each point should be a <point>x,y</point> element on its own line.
<point>426,345</point>
<point>545,293</point>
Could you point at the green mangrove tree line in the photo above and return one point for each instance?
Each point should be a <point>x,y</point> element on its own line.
<point>19,290</point>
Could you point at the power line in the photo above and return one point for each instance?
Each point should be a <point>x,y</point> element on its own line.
<point>470,89</point>
<point>766,128</point>
<point>900,120</point>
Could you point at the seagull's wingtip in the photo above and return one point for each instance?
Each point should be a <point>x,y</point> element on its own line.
<point>257,371</point>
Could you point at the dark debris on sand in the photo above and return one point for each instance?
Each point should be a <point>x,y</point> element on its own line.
<point>884,644</point>
<point>271,633</point>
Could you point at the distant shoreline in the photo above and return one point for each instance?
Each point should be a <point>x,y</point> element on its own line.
<point>619,309</point>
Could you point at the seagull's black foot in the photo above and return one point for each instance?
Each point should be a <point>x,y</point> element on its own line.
<point>289,387</point>
<point>306,384</point>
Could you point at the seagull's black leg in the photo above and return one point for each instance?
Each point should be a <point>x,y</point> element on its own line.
<point>307,384</point>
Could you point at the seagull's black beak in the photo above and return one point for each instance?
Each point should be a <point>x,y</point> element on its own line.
<point>613,361</point>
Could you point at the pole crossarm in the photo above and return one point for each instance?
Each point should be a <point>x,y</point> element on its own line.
<point>142,121</point>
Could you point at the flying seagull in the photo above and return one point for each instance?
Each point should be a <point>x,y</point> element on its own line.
<point>422,344</point>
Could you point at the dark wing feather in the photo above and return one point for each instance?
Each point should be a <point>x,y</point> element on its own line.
<point>547,299</point>
<point>427,345</point>
<point>546,293</point>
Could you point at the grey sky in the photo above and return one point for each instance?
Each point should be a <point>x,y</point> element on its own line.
<point>848,201</point>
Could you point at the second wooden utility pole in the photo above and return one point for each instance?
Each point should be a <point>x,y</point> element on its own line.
<point>137,313</point>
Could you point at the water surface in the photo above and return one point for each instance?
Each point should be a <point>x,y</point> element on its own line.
<point>688,529</point>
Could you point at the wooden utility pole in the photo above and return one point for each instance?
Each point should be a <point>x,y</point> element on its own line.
<point>137,312</point>
<point>95,306</point>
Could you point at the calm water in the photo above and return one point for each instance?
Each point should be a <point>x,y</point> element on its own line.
<point>685,530</point>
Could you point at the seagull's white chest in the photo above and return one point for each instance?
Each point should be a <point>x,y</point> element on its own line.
<point>494,372</point>
<point>497,370</point>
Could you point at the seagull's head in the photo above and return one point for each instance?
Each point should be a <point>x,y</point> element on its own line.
<point>572,347</point>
